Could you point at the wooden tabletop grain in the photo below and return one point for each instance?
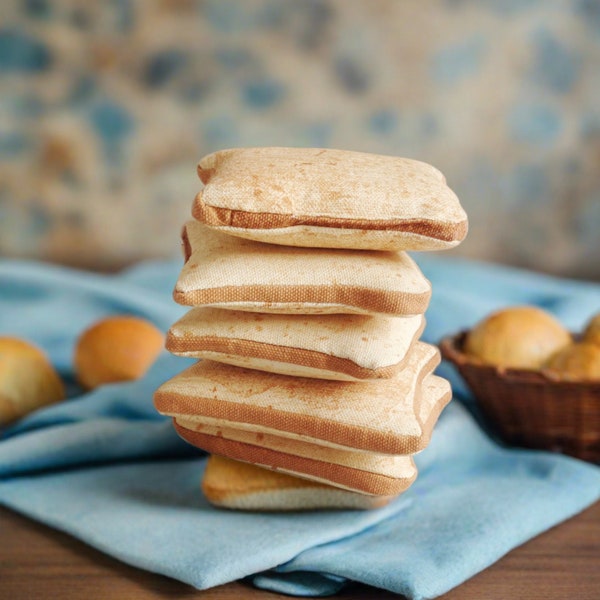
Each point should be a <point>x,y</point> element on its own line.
<point>37,562</point>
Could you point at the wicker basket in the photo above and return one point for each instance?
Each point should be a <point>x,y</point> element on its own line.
<point>529,408</point>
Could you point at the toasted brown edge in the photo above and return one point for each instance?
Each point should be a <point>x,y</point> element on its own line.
<point>216,216</point>
<point>429,424</point>
<point>370,301</point>
<point>362,481</point>
<point>286,354</point>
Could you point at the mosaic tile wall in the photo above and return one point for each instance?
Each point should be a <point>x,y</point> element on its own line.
<point>106,106</point>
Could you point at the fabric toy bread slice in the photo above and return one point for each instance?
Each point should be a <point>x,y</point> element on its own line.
<point>376,416</point>
<point>329,198</point>
<point>342,347</point>
<point>235,273</point>
<point>27,380</point>
<point>434,394</point>
<point>341,476</point>
<point>236,485</point>
<point>390,472</point>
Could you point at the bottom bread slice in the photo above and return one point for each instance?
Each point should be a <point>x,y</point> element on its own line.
<point>393,467</point>
<point>339,476</point>
<point>236,485</point>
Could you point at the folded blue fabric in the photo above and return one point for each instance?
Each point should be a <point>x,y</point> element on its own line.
<point>105,467</point>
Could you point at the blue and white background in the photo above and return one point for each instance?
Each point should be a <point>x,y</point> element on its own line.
<point>105,108</point>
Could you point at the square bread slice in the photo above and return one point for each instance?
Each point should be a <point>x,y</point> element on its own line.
<point>228,483</point>
<point>228,272</point>
<point>375,416</point>
<point>352,470</point>
<point>329,198</point>
<point>341,347</point>
<point>366,472</point>
<point>435,392</point>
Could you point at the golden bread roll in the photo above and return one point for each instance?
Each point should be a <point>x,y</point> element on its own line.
<point>591,333</point>
<point>27,379</point>
<point>519,337</point>
<point>576,362</point>
<point>117,348</point>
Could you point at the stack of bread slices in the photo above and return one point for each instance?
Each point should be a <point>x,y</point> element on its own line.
<point>314,389</point>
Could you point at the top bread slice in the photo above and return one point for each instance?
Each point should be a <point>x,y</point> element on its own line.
<point>228,272</point>
<point>236,485</point>
<point>315,197</point>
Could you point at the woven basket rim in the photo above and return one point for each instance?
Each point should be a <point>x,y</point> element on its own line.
<point>451,349</point>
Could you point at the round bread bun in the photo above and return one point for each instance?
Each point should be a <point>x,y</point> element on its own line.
<point>27,379</point>
<point>577,362</point>
<point>591,333</point>
<point>522,337</point>
<point>119,348</point>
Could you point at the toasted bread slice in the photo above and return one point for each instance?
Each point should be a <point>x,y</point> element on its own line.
<point>341,347</point>
<point>240,486</point>
<point>229,272</point>
<point>375,416</point>
<point>329,199</point>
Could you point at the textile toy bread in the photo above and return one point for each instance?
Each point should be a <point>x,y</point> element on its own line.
<point>119,348</point>
<point>342,347</point>
<point>366,472</point>
<point>27,380</point>
<point>376,416</point>
<point>228,272</point>
<point>232,484</point>
<point>326,198</point>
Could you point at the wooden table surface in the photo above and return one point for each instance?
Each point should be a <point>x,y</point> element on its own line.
<point>39,562</point>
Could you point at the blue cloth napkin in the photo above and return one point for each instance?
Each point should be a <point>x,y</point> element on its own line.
<point>105,467</point>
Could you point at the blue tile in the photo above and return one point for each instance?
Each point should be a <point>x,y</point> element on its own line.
<point>353,75</point>
<point>163,66</point>
<point>37,9</point>
<point>590,125</point>
<point>262,93</point>
<point>429,125</point>
<point>20,52</point>
<point>587,221</point>
<point>110,120</point>
<point>529,182</point>
<point>124,14</point>
<point>534,123</point>
<point>589,11</point>
<point>13,143</point>
<point>556,66</point>
<point>383,121</point>
<point>318,135</point>
<point>219,132</point>
<point>452,64</point>
<point>231,57</point>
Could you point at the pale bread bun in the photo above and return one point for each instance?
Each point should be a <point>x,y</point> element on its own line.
<point>519,337</point>
<point>236,485</point>
<point>119,348</point>
<point>27,380</point>
<point>591,333</point>
<point>576,362</point>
